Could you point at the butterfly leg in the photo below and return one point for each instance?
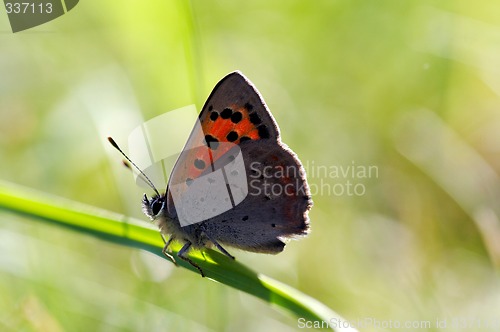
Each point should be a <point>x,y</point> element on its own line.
<point>165,248</point>
<point>182,255</point>
<point>224,251</point>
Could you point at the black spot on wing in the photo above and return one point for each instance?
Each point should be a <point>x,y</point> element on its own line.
<point>263,132</point>
<point>255,118</point>
<point>212,142</point>
<point>232,136</point>
<point>236,117</point>
<point>199,164</point>
<point>249,107</point>
<point>226,113</point>
<point>214,116</point>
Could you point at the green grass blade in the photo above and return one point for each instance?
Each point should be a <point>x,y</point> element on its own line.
<point>126,231</point>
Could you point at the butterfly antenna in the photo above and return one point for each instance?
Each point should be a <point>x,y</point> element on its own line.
<point>146,178</point>
<point>133,170</point>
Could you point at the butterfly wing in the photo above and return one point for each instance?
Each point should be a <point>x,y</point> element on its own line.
<point>236,113</point>
<point>233,113</point>
<point>276,206</point>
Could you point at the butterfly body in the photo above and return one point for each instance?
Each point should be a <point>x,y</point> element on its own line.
<point>235,122</point>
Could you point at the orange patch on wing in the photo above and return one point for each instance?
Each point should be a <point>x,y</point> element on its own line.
<point>219,129</point>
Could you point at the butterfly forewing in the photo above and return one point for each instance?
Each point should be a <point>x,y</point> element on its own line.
<point>233,113</point>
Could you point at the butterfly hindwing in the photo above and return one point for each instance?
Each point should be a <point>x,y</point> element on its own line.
<point>276,206</point>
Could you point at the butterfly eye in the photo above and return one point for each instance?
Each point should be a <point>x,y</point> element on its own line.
<point>156,207</point>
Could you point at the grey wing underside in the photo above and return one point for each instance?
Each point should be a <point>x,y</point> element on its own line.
<point>266,217</point>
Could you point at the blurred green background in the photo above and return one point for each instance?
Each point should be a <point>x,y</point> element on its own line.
<point>410,88</point>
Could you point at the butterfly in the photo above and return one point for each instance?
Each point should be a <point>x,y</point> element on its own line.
<point>262,197</point>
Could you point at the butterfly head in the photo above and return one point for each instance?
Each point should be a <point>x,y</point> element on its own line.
<point>153,207</point>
